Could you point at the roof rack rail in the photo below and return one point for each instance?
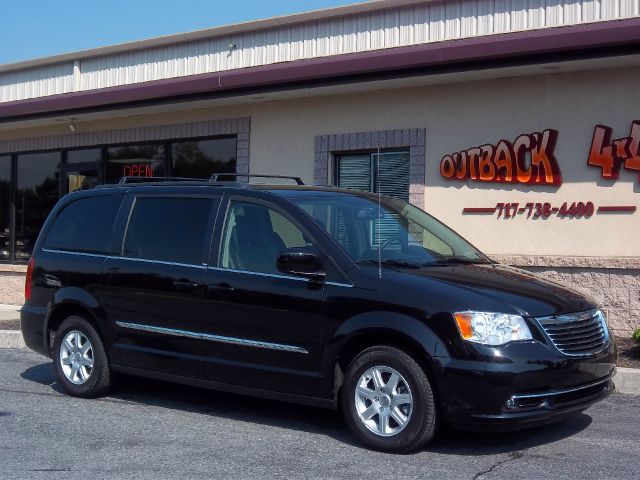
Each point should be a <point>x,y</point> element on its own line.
<point>125,180</point>
<point>215,176</point>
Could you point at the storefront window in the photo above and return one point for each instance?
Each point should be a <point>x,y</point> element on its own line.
<point>81,171</point>
<point>84,155</point>
<point>135,161</point>
<point>202,158</point>
<point>5,206</point>
<point>36,195</point>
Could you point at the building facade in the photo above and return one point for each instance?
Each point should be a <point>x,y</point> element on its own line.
<point>515,122</point>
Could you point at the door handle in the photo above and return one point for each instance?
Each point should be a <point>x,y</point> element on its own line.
<point>185,286</point>
<point>222,288</point>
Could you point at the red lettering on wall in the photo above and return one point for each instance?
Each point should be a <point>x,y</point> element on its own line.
<point>610,155</point>
<point>633,161</point>
<point>530,160</point>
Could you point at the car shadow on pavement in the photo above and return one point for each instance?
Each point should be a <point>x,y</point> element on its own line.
<point>449,441</point>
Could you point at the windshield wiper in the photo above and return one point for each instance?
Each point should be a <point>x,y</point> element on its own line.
<point>391,262</point>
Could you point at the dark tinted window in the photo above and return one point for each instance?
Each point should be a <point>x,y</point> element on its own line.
<point>85,225</point>
<point>202,158</point>
<point>5,205</point>
<point>170,229</point>
<point>36,195</point>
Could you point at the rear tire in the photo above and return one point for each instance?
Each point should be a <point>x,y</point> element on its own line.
<point>80,360</point>
<point>388,402</point>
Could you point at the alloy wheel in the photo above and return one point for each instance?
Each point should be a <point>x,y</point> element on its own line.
<point>383,401</point>
<point>76,357</point>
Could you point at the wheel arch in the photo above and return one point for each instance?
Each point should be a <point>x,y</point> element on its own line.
<point>385,328</point>
<point>69,302</point>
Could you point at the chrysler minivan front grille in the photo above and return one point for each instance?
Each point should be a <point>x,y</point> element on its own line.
<point>581,333</point>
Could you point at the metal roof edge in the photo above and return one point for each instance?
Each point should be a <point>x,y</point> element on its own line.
<point>487,49</point>
<point>231,29</point>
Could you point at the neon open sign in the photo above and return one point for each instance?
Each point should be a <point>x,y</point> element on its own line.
<point>141,170</point>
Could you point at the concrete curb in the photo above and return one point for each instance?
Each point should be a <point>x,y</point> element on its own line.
<point>627,380</point>
<point>11,339</point>
<point>9,308</point>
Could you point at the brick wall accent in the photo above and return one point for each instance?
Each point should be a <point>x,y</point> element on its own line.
<point>241,127</point>
<point>327,146</point>
<point>612,282</point>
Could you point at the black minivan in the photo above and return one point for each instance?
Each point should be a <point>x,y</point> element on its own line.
<point>322,296</point>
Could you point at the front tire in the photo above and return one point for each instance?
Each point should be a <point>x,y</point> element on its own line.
<point>388,402</point>
<point>80,359</point>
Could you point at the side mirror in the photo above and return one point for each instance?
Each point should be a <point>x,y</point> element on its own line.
<point>303,262</point>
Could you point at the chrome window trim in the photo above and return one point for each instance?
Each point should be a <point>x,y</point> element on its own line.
<point>68,252</point>
<point>161,262</point>
<point>276,275</point>
<point>164,262</point>
<point>212,338</point>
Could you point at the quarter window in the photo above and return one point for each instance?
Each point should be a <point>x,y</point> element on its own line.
<point>169,229</point>
<point>255,235</point>
<point>85,225</point>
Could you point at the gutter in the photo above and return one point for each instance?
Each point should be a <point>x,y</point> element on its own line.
<point>539,46</point>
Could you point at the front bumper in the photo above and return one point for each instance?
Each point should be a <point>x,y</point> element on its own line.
<point>522,385</point>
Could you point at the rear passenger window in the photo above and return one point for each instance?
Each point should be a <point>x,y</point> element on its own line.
<point>169,229</point>
<point>84,225</point>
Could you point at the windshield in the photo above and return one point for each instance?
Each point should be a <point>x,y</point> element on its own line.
<point>405,235</point>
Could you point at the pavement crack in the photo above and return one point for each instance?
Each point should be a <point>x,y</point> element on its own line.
<point>512,456</point>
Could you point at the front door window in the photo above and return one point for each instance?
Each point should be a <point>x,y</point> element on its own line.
<point>254,236</point>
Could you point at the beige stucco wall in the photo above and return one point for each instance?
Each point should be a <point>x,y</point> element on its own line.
<point>465,115</point>
<point>458,116</point>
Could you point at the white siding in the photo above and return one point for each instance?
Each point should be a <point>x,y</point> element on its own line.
<point>410,25</point>
<point>36,82</point>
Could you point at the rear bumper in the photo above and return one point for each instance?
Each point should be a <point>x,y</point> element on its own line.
<point>32,324</point>
<point>524,390</point>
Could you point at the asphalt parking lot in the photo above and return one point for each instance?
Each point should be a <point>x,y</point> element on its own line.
<point>149,429</point>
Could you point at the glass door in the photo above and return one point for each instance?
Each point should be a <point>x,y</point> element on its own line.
<point>79,176</point>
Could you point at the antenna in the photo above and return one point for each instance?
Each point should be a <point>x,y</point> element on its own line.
<point>379,215</point>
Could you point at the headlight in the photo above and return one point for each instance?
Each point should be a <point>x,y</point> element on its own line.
<point>492,328</point>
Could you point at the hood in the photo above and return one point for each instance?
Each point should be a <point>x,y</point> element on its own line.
<point>489,286</point>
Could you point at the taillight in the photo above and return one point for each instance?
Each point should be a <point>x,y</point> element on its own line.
<point>28,281</point>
